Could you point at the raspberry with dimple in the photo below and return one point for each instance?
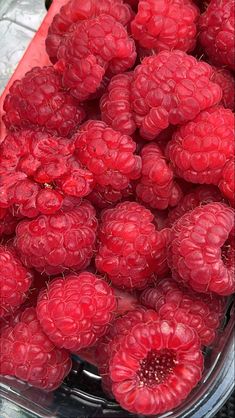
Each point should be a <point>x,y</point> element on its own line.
<point>201,249</point>
<point>28,354</point>
<point>181,88</point>
<point>199,311</point>
<point>92,48</point>
<point>200,149</point>
<point>108,154</point>
<point>166,25</point>
<point>130,249</point>
<point>39,101</point>
<point>75,311</point>
<point>59,242</point>
<point>15,281</point>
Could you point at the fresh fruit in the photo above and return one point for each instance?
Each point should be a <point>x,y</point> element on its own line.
<point>226,81</point>
<point>226,183</point>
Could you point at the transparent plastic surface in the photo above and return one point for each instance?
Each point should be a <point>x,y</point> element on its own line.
<point>81,395</point>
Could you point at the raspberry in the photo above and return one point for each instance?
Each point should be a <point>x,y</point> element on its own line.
<point>217,32</point>
<point>199,149</point>
<point>180,89</point>
<point>15,281</point>
<point>28,354</point>
<point>156,367</point>
<point>201,250</point>
<point>58,242</point>
<point>226,183</point>
<point>201,195</point>
<point>107,154</point>
<point>115,104</point>
<point>39,101</point>
<point>199,311</point>
<point>75,11</point>
<point>92,48</point>
<point>105,197</point>
<point>75,311</point>
<point>37,170</point>
<point>7,222</point>
<point>166,25</point>
<point>130,249</point>
<point>226,81</point>
<point>155,186</point>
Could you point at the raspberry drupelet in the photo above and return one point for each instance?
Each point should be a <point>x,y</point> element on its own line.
<point>28,354</point>
<point>76,310</point>
<point>216,26</point>
<point>76,11</point>
<point>93,48</point>
<point>39,101</point>
<point>200,149</point>
<point>108,154</point>
<point>226,81</point>
<point>106,197</point>
<point>201,249</point>
<point>166,25</point>
<point>170,88</point>
<point>15,281</point>
<point>55,243</point>
<point>199,311</point>
<point>226,184</point>
<point>130,249</point>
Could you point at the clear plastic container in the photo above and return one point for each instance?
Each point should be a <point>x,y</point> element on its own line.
<point>81,395</point>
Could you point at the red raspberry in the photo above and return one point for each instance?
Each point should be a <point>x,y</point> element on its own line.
<point>180,89</point>
<point>92,48</point>
<point>130,250</point>
<point>106,197</point>
<point>15,281</point>
<point>201,195</point>
<point>7,222</point>
<point>39,101</point>
<point>199,311</point>
<point>58,242</point>
<point>75,311</point>
<point>37,170</point>
<point>226,183</point>
<point>115,105</point>
<point>199,149</point>
<point>156,367</point>
<point>156,184</point>
<point>226,81</point>
<point>166,24</point>
<point>75,11</point>
<point>217,32</point>
<point>107,154</point>
<point>28,354</point>
<point>201,249</point>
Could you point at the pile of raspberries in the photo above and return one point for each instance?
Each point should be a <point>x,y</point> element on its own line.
<point>117,197</point>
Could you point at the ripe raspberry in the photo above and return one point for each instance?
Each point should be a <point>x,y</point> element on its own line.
<point>15,281</point>
<point>7,222</point>
<point>199,149</point>
<point>199,196</point>
<point>39,101</point>
<point>130,249</point>
<point>75,11</point>
<point>92,48</point>
<point>75,311</point>
<point>106,197</point>
<point>166,25</point>
<point>226,183</point>
<point>180,89</point>
<point>199,311</point>
<point>28,354</point>
<point>58,242</point>
<point>156,184</point>
<point>226,81</point>
<point>201,250</point>
<point>37,170</point>
<point>107,154</point>
<point>217,32</point>
<point>156,367</point>
<point>115,104</point>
